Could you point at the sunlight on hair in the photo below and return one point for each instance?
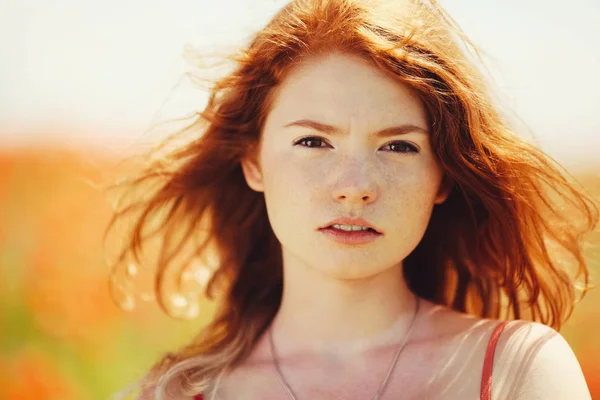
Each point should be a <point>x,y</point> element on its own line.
<point>487,250</point>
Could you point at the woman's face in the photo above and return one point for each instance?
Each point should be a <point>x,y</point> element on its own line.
<point>321,158</point>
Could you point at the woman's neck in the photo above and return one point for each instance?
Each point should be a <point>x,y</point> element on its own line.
<point>336,318</point>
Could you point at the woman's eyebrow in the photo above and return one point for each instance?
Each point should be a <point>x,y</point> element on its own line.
<point>333,130</point>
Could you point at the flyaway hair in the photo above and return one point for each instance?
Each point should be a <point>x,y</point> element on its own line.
<point>506,243</point>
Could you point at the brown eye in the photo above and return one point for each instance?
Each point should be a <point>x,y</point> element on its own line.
<point>402,147</point>
<point>311,141</point>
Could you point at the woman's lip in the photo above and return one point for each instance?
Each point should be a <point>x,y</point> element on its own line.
<point>350,221</point>
<point>350,237</point>
<point>373,229</point>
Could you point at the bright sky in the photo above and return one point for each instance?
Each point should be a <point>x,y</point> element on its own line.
<point>102,72</point>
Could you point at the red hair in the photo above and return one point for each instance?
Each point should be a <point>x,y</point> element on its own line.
<point>505,244</point>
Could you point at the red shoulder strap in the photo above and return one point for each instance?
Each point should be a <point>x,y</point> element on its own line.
<point>199,397</point>
<point>488,362</point>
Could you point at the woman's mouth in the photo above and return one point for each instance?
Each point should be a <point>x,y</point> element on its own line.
<point>350,235</point>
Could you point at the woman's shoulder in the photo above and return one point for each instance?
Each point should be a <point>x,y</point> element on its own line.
<point>443,324</point>
<point>531,360</point>
<point>535,361</point>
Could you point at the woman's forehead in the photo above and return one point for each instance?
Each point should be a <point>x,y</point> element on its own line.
<point>342,86</point>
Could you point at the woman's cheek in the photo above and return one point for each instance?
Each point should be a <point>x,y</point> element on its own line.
<point>413,191</point>
<point>286,179</point>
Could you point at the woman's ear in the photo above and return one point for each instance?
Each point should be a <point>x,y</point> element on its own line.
<point>444,190</point>
<point>253,173</point>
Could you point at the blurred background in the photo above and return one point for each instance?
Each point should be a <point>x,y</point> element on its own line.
<point>84,83</point>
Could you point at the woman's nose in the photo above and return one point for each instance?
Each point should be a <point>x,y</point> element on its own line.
<point>356,185</point>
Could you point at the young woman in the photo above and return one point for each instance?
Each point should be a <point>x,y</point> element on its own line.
<point>374,219</point>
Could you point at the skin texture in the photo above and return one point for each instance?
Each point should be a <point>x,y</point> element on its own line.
<point>345,308</point>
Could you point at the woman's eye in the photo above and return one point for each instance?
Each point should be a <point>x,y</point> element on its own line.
<point>310,141</point>
<point>402,147</point>
<point>395,147</point>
